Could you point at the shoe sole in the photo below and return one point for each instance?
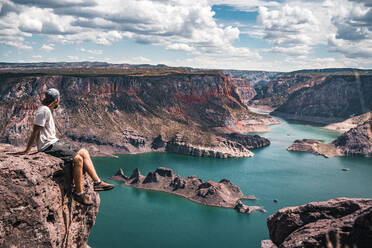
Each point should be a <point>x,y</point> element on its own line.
<point>104,189</point>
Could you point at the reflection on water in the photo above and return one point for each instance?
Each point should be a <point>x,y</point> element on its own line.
<point>135,218</point>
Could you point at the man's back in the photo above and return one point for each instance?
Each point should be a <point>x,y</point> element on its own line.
<point>47,135</point>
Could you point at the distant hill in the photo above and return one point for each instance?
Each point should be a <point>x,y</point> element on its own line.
<point>334,70</point>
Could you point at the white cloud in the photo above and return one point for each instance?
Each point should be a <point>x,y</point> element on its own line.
<point>293,50</point>
<point>298,25</point>
<point>36,56</point>
<point>173,24</point>
<point>93,51</point>
<point>47,47</point>
<point>292,27</point>
<point>351,49</point>
<point>244,5</point>
<point>73,58</point>
<point>137,60</point>
<point>180,47</point>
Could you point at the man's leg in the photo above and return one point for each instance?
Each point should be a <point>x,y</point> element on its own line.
<point>88,164</point>
<point>77,173</point>
<point>99,185</point>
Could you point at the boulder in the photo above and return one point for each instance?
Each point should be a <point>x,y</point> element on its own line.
<point>346,221</point>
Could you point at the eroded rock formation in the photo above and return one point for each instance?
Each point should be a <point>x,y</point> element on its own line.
<point>222,194</point>
<point>355,142</point>
<point>244,89</point>
<point>331,100</point>
<point>343,221</point>
<point>36,206</point>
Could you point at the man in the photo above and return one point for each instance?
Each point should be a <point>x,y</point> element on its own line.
<point>44,134</point>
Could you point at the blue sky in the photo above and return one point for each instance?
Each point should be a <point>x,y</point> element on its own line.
<point>239,34</point>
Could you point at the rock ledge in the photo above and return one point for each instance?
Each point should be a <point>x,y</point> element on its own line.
<point>36,206</point>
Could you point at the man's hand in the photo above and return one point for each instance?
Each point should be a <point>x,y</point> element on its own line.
<point>20,153</point>
<point>35,132</point>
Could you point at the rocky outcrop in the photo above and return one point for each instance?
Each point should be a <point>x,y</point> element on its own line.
<point>158,143</point>
<point>343,221</point>
<point>228,146</point>
<point>222,194</point>
<point>316,147</point>
<point>244,89</point>
<point>37,209</point>
<point>123,111</point>
<point>225,149</point>
<point>355,142</point>
<point>248,141</point>
<point>350,123</point>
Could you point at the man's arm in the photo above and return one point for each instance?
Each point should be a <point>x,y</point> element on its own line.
<point>31,141</point>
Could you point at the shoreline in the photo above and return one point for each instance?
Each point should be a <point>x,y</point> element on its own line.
<point>262,108</point>
<point>314,120</point>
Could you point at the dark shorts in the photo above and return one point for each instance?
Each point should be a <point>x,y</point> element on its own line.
<point>63,150</point>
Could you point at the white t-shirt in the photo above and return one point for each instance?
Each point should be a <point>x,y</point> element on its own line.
<point>47,135</point>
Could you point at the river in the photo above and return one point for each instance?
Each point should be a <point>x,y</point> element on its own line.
<point>133,218</point>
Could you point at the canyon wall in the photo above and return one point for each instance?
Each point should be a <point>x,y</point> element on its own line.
<point>245,90</point>
<point>336,99</point>
<point>125,113</point>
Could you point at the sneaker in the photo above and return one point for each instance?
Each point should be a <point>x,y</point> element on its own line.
<point>103,186</point>
<point>83,199</point>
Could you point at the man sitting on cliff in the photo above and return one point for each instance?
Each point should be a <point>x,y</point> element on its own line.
<point>45,135</point>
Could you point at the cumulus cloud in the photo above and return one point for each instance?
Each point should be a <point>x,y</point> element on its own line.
<point>296,26</point>
<point>180,46</point>
<point>72,58</point>
<point>244,5</point>
<point>47,47</point>
<point>351,49</point>
<point>92,51</point>
<point>175,24</point>
<point>292,27</point>
<point>292,50</point>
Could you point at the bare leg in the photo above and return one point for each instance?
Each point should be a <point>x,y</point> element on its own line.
<point>88,164</point>
<point>77,173</point>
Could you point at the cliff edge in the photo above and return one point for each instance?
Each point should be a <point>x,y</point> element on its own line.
<point>346,222</point>
<point>36,206</point>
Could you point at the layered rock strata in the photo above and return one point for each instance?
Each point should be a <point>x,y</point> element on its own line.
<point>125,111</point>
<point>334,99</point>
<point>37,209</point>
<point>222,194</point>
<point>244,89</point>
<point>355,142</point>
<point>341,222</point>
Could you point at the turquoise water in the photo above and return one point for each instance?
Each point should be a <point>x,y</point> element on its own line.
<point>133,218</point>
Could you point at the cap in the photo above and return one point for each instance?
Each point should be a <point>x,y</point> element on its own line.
<point>51,94</point>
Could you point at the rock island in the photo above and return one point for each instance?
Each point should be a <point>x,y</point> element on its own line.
<point>222,194</point>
